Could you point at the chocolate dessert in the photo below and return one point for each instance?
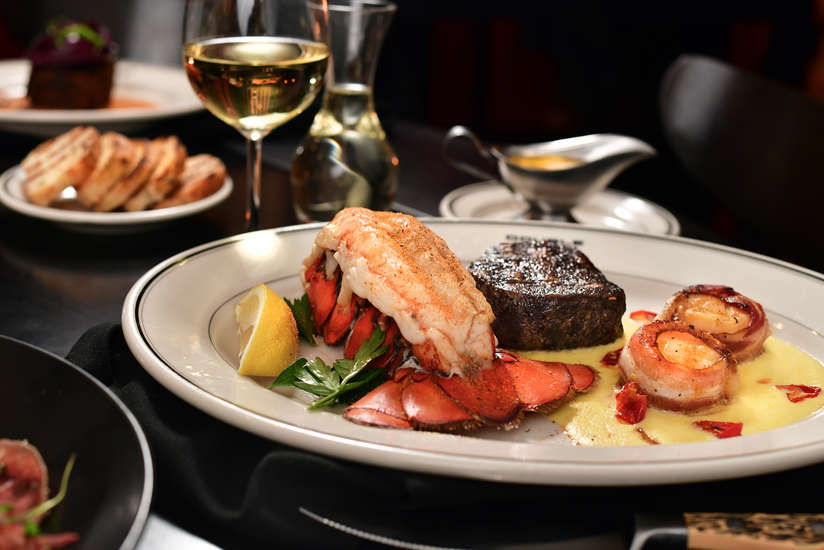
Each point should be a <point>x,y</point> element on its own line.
<point>72,65</point>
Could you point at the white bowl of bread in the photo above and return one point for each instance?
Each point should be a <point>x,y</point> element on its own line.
<point>83,176</point>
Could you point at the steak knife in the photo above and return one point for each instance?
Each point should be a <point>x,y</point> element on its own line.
<point>707,531</point>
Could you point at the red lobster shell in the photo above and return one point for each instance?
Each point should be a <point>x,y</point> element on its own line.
<point>449,389</point>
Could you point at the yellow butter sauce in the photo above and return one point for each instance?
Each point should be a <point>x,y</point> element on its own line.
<point>590,418</point>
<point>544,162</point>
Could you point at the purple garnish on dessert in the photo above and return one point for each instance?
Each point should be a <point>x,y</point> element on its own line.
<point>72,66</point>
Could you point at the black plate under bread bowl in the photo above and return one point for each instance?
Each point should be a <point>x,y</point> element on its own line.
<point>61,409</point>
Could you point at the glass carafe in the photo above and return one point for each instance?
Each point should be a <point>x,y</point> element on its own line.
<point>345,160</point>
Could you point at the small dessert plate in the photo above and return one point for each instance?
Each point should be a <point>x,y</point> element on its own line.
<point>164,92</point>
<point>610,209</point>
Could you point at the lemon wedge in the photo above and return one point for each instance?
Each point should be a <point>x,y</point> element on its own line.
<point>268,332</point>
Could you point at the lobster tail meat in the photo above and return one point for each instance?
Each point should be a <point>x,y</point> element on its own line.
<point>540,386</point>
<point>380,269</point>
<point>583,377</point>
<point>497,397</point>
<point>361,331</point>
<point>408,273</point>
<point>321,292</point>
<point>337,326</point>
<point>489,395</point>
<point>381,407</point>
<point>430,408</point>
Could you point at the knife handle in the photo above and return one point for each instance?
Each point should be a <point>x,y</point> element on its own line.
<point>710,531</point>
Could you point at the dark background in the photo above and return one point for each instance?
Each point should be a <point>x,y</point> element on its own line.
<point>523,71</point>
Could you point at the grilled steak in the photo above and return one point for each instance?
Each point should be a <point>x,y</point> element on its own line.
<point>548,295</point>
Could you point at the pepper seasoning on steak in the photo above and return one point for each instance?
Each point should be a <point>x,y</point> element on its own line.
<point>548,295</point>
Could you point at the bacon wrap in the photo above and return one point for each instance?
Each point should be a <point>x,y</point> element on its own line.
<point>745,344</point>
<point>675,386</point>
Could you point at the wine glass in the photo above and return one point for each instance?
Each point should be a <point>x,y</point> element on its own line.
<point>255,65</point>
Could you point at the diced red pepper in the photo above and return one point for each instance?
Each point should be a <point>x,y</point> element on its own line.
<point>642,316</point>
<point>721,430</point>
<point>799,392</point>
<point>611,358</point>
<point>630,404</point>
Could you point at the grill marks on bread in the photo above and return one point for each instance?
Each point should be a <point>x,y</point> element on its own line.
<point>111,171</point>
<point>59,163</point>
<point>137,177</point>
<point>202,175</point>
<point>118,157</point>
<point>162,180</point>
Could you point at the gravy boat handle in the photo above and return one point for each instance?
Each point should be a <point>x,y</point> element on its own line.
<point>463,132</point>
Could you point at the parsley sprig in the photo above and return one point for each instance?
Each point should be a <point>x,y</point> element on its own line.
<point>303,317</point>
<point>340,382</point>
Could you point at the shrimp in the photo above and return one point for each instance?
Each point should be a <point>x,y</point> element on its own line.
<point>737,321</point>
<point>679,367</point>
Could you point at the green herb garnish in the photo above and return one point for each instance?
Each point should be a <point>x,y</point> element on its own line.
<point>31,528</point>
<point>60,31</point>
<point>29,519</point>
<point>303,317</point>
<point>42,508</point>
<point>336,383</point>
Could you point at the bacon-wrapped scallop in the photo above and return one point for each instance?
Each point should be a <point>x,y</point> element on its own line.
<point>678,367</point>
<point>737,321</point>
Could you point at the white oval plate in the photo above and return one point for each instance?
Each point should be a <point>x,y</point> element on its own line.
<point>13,197</point>
<point>166,88</point>
<point>178,322</point>
<point>613,209</point>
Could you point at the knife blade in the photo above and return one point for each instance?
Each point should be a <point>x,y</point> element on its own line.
<point>498,530</point>
<point>708,531</point>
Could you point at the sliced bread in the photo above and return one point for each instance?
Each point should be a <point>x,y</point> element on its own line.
<point>164,178</point>
<point>202,175</point>
<point>65,162</point>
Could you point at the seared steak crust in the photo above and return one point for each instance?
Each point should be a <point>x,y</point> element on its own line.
<point>548,295</point>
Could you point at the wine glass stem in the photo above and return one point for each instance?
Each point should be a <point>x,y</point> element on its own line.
<point>253,163</point>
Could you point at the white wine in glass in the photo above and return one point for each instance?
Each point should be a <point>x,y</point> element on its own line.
<point>255,67</point>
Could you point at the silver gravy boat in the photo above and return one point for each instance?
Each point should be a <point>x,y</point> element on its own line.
<point>580,167</point>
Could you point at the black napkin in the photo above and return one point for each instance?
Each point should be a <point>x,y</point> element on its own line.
<point>242,491</point>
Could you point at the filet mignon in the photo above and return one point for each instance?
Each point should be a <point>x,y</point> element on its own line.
<point>548,295</point>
